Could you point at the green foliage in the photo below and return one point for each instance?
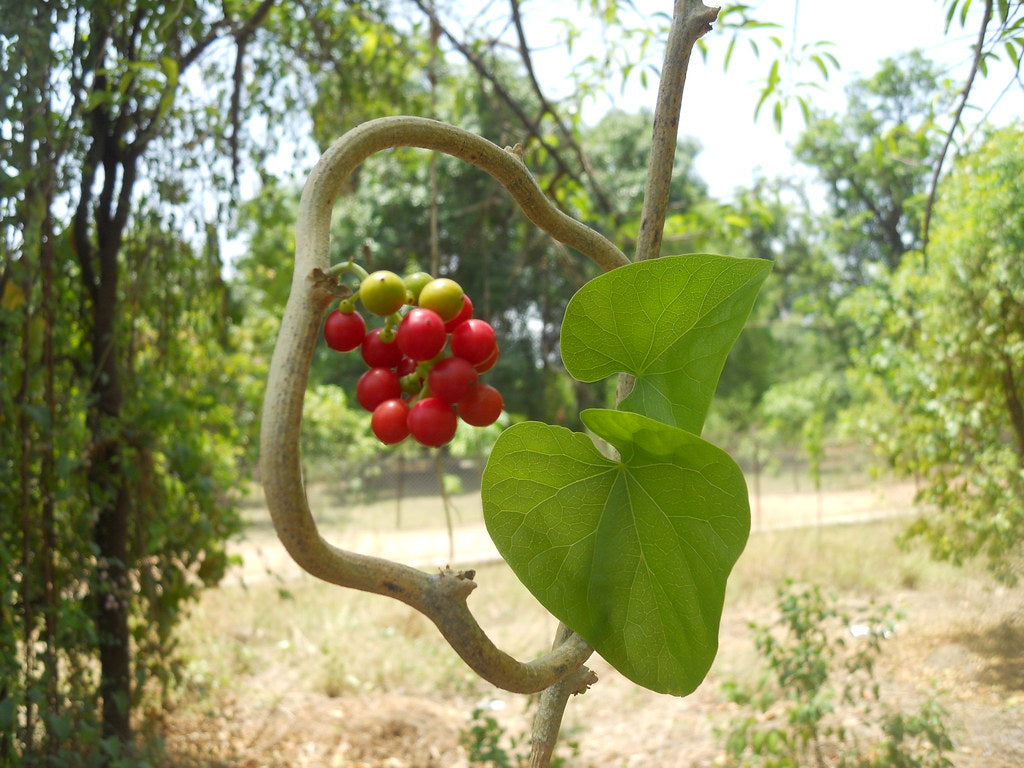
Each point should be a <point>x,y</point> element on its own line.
<point>633,552</point>
<point>1004,38</point>
<point>819,678</point>
<point>785,382</point>
<point>795,73</point>
<point>119,442</point>
<point>335,433</point>
<point>180,458</point>
<point>488,744</point>
<point>483,742</point>
<point>943,374</point>
<point>876,161</point>
<point>790,339</point>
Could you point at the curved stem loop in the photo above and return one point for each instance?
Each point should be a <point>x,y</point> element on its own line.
<point>441,596</point>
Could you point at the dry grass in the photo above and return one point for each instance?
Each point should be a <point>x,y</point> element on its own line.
<point>283,670</point>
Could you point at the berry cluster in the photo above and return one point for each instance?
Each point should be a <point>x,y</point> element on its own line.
<point>424,366</point>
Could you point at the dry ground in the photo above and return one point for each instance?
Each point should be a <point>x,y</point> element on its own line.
<point>282,670</point>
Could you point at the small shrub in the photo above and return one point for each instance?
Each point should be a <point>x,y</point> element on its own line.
<point>488,744</point>
<point>819,701</point>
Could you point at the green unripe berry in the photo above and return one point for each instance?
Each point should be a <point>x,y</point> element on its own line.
<point>414,284</point>
<point>382,292</point>
<point>442,295</point>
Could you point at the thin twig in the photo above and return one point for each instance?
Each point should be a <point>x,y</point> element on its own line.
<point>548,108</point>
<point>533,127</point>
<point>964,96</point>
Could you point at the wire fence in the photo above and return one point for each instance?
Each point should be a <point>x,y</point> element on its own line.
<point>425,510</point>
<point>784,491</point>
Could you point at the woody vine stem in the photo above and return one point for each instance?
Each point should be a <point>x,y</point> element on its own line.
<point>441,596</point>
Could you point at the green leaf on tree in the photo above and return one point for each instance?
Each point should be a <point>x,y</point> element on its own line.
<point>631,553</point>
<point>671,322</point>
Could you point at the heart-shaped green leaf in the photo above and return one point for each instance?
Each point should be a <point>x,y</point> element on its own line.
<point>633,554</point>
<point>671,322</point>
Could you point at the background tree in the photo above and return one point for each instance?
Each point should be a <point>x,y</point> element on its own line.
<point>875,162</point>
<point>113,323</point>
<point>944,375</point>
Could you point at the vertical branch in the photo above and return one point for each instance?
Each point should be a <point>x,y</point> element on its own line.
<point>26,522</point>
<point>47,470</point>
<point>548,720</point>
<point>691,19</point>
<point>435,240</point>
<point>446,502</point>
<point>399,491</point>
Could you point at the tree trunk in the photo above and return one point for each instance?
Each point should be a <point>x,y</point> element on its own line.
<point>109,497</point>
<point>1014,406</point>
<point>107,476</point>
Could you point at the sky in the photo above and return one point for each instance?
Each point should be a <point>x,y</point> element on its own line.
<point>718,106</point>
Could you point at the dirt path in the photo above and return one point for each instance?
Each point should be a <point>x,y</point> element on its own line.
<point>429,547</point>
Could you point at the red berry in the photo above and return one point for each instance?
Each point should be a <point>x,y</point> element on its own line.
<point>421,334</point>
<point>377,385</point>
<point>344,331</point>
<point>389,421</point>
<point>482,406</point>
<point>451,378</point>
<point>432,421</point>
<point>463,316</point>
<point>379,354</point>
<point>473,340</point>
<point>485,365</point>
<point>406,366</point>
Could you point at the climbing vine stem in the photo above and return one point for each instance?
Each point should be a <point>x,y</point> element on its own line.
<point>440,596</point>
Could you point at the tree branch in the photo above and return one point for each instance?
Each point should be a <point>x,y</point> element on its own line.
<point>691,20</point>
<point>548,107</point>
<point>442,596</point>
<point>532,126</point>
<point>965,94</point>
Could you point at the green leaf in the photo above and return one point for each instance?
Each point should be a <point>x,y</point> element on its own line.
<point>963,12</point>
<point>1012,53</point>
<point>632,554</point>
<point>668,321</point>
<point>728,53</point>
<point>949,14</point>
<point>822,67</point>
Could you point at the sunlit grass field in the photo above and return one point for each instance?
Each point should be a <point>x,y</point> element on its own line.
<point>273,640</point>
